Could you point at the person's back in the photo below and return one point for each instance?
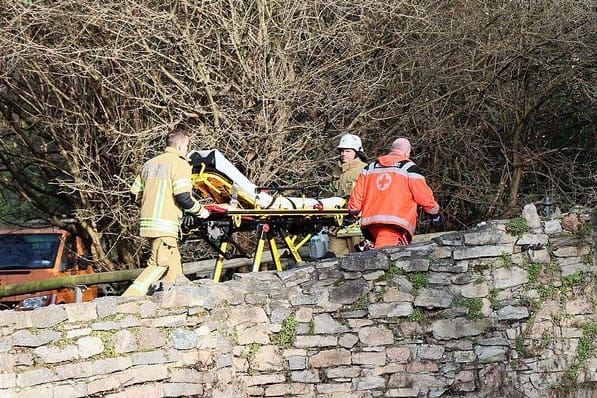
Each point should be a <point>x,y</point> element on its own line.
<point>163,176</point>
<point>387,193</point>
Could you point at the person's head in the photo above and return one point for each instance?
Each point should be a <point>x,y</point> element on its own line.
<point>401,145</point>
<point>350,147</point>
<point>179,139</point>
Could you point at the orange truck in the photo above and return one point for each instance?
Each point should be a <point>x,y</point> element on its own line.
<point>36,254</point>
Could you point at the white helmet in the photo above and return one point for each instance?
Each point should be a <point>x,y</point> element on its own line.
<point>350,141</point>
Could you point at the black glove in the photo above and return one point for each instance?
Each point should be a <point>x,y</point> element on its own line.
<point>437,221</point>
<point>188,222</point>
<point>348,220</point>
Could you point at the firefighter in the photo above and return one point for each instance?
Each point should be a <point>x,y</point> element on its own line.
<point>352,160</point>
<point>387,193</point>
<point>165,190</point>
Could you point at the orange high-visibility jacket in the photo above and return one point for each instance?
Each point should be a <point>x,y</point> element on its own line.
<point>388,191</point>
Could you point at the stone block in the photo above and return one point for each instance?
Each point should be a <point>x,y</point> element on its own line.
<point>449,266</point>
<point>368,383</point>
<point>413,265</point>
<point>390,368</point>
<point>333,388</point>
<point>25,338</point>
<point>182,390</point>
<point>422,366</point>
<point>8,380</point>
<point>90,346</point>
<point>106,306</point>
<point>471,290</point>
<point>304,376</point>
<point>488,235</point>
<point>38,391</point>
<point>253,334</point>
<point>366,261</point>
<point>540,256</point>
<point>47,317</point>
<point>509,277</point>
<point>307,341</point>
<point>450,239</point>
<point>149,338</point>
<point>297,363</point>
<point>510,312</point>
<point>552,227</point>
<point>376,336</point>
<point>111,365</point>
<point>535,240</point>
<point>74,390</point>
<point>289,389</point>
<point>124,341</point>
<point>258,380</point>
<point>348,292</point>
<point>393,294</point>
<point>530,215</point>
<point>154,390</point>
<point>327,358</point>
<point>347,340</point>
<point>369,358</point>
<point>486,354</point>
<point>49,354</point>
<point>434,352</point>
<point>148,358</point>
<point>34,377</point>
<point>398,354</point>
<point>470,252</point>
<point>403,392</point>
<point>455,328</point>
<point>385,310</point>
<point>81,312</point>
<point>267,358</point>
<point>324,323</point>
<point>433,298</point>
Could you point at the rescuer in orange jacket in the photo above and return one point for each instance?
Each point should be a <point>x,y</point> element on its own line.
<point>387,193</point>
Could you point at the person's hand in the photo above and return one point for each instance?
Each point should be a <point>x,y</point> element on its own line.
<point>348,220</point>
<point>188,222</point>
<point>203,213</point>
<point>437,221</point>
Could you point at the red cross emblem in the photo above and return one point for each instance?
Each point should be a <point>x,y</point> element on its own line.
<point>383,181</point>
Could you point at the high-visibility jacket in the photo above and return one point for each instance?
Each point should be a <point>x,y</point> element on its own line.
<point>161,178</point>
<point>388,191</point>
<point>345,175</point>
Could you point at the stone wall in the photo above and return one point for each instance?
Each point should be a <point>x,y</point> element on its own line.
<point>506,309</point>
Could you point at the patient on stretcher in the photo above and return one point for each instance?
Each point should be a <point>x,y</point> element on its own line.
<point>216,177</point>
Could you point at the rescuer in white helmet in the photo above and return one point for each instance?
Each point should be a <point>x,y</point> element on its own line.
<point>352,161</point>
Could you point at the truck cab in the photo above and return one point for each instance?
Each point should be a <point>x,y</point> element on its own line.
<point>38,254</point>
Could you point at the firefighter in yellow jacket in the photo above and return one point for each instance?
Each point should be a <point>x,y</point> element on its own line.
<point>352,161</point>
<point>165,189</point>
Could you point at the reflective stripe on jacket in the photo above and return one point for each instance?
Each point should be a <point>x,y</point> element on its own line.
<point>388,191</point>
<point>161,178</point>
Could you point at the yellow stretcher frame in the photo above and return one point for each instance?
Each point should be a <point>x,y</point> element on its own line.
<point>267,227</point>
<point>213,185</point>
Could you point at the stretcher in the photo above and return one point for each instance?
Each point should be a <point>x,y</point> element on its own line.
<point>240,205</point>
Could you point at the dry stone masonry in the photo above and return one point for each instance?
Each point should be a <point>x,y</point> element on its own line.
<point>506,309</point>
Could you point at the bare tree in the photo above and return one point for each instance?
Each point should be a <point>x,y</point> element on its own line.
<point>498,98</point>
